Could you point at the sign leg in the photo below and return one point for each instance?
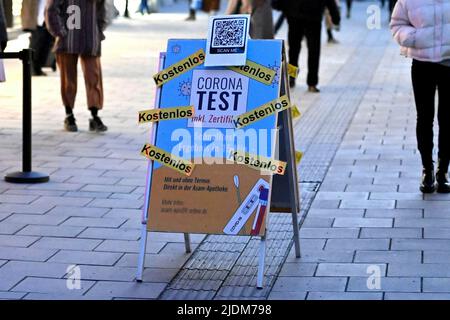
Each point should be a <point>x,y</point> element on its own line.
<point>142,250</point>
<point>296,234</point>
<point>187,242</point>
<point>261,262</point>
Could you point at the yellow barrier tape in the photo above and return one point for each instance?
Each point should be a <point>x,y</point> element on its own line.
<point>155,115</point>
<point>256,71</point>
<point>258,162</point>
<point>295,112</point>
<point>298,156</point>
<point>179,68</point>
<point>292,71</point>
<point>165,158</point>
<point>262,112</point>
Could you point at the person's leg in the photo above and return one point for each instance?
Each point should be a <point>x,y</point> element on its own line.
<point>36,42</point>
<point>424,86</point>
<point>93,80</point>
<point>349,8</point>
<point>295,36</point>
<point>313,35</point>
<point>279,23</point>
<point>67,64</point>
<point>444,129</point>
<point>191,16</point>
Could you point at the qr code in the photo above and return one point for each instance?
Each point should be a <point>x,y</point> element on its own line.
<point>229,33</point>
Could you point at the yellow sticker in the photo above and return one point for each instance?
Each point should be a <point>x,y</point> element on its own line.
<point>292,71</point>
<point>298,156</point>
<point>165,158</point>
<point>179,68</point>
<point>256,71</point>
<point>295,112</point>
<point>258,162</point>
<point>262,112</point>
<point>155,115</point>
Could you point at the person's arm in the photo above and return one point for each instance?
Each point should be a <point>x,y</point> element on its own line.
<point>54,20</point>
<point>101,15</point>
<point>334,12</point>
<point>402,30</point>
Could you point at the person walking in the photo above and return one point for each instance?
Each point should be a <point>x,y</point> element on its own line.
<point>421,29</point>
<point>305,20</point>
<point>330,26</point>
<point>349,4</point>
<point>3,33</point>
<point>80,41</point>
<point>41,41</point>
<point>261,22</point>
<point>143,7</point>
<point>192,10</point>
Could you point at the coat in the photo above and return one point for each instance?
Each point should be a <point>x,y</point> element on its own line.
<point>261,24</point>
<point>422,28</point>
<point>29,14</point>
<point>81,30</point>
<point>312,10</point>
<point>3,33</point>
<point>211,5</point>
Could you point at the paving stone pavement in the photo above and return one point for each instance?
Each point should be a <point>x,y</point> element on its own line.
<point>367,210</point>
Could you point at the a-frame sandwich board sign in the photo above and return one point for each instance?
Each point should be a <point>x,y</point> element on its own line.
<point>212,190</point>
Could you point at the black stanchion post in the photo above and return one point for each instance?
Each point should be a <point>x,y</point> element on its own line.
<point>26,175</point>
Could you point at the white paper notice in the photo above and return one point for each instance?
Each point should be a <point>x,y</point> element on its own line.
<point>217,97</point>
<point>226,44</point>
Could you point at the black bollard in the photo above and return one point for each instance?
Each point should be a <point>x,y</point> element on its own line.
<point>26,175</point>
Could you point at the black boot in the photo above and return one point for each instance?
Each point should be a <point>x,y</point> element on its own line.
<point>191,16</point>
<point>70,124</point>
<point>443,186</point>
<point>96,124</point>
<point>428,182</point>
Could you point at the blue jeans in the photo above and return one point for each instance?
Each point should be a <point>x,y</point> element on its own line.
<point>143,6</point>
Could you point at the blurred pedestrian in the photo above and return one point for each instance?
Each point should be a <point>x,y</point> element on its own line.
<point>126,12</point>
<point>210,6</point>
<point>305,20</point>
<point>413,21</point>
<point>194,5</point>
<point>261,24</point>
<point>143,7</point>
<point>41,41</point>
<point>349,8</point>
<point>330,26</point>
<point>80,41</point>
<point>3,33</point>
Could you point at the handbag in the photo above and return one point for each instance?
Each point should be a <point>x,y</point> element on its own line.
<point>2,71</point>
<point>279,5</point>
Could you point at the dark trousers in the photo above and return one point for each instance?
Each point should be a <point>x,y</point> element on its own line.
<point>392,5</point>
<point>299,28</point>
<point>41,42</point>
<point>349,4</point>
<point>426,78</point>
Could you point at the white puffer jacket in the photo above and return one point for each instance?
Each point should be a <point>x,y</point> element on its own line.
<point>422,28</point>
